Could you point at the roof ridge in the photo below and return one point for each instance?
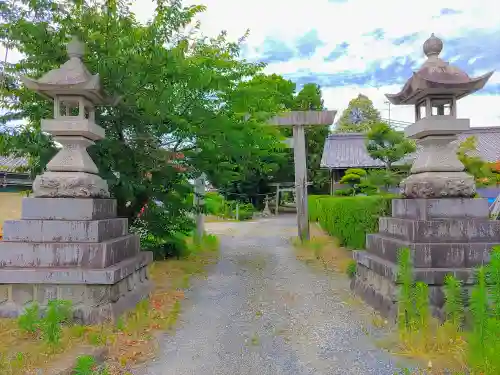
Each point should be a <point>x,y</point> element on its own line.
<point>348,150</point>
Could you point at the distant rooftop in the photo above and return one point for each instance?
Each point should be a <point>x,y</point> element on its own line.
<point>12,164</point>
<point>348,150</point>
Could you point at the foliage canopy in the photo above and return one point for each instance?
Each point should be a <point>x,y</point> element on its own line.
<point>183,101</point>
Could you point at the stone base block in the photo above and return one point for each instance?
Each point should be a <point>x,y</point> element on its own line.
<point>376,283</point>
<point>382,294</point>
<point>444,208</point>
<point>377,291</point>
<point>63,230</point>
<point>430,276</point>
<point>68,254</point>
<point>68,209</point>
<point>431,255</point>
<point>441,230</point>
<point>95,299</point>
<point>77,275</point>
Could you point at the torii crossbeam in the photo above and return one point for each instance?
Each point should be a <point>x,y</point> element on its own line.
<point>298,120</point>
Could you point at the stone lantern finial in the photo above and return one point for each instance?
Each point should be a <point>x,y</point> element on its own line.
<point>75,48</point>
<point>433,46</point>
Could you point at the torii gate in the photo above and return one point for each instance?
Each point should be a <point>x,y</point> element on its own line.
<point>298,120</point>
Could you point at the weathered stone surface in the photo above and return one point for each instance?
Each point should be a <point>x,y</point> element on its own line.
<point>73,127</point>
<point>68,209</point>
<point>73,156</point>
<point>45,293</point>
<point>439,185</point>
<point>22,294</point>
<point>74,293</point>
<point>442,230</point>
<point>436,125</point>
<point>64,231</point>
<point>68,254</point>
<point>72,248</point>
<point>431,276</point>
<point>437,154</point>
<point>429,209</point>
<point>77,275</point>
<point>70,185</point>
<point>382,294</point>
<point>92,304</point>
<point>428,255</point>
<point>378,291</point>
<point>445,237</point>
<point>4,293</point>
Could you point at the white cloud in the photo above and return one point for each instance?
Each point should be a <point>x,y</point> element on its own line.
<point>482,110</point>
<point>350,22</point>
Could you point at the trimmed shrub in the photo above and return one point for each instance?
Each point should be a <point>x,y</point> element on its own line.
<point>214,203</point>
<point>345,192</point>
<point>246,211</point>
<point>313,206</point>
<point>349,219</point>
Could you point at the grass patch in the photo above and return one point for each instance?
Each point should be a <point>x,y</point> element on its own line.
<point>442,346</point>
<point>216,219</point>
<point>323,250</point>
<point>255,340</point>
<point>130,340</point>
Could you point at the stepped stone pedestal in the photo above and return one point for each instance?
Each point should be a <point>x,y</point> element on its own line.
<point>73,249</point>
<point>445,236</point>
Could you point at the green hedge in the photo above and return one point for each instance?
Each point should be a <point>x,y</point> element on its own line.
<point>216,205</point>
<point>313,205</point>
<point>349,219</point>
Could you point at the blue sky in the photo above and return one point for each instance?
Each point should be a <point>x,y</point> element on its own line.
<point>372,47</point>
<point>362,46</point>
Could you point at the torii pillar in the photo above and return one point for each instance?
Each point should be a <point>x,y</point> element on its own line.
<point>298,120</point>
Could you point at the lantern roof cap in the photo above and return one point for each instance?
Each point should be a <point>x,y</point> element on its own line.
<point>70,79</point>
<point>437,77</point>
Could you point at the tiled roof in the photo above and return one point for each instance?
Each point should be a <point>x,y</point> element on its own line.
<point>11,164</point>
<point>348,150</point>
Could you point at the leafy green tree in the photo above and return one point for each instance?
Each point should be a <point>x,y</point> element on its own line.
<point>355,178</point>
<point>262,97</point>
<point>388,145</point>
<point>358,117</point>
<point>178,113</point>
<point>383,178</point>
<point>474,165</point>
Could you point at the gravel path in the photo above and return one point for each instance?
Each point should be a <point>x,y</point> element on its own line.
<point>262,312</point>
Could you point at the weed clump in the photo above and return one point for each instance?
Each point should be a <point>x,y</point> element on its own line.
<point>478,346</point>
<point>87,365</point>
<point>48,325</point>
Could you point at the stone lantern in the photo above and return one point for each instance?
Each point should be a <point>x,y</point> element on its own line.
<point>69,243</point>
<point>434,91</point>
<point>447,231</point>
<point>75,92</point>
